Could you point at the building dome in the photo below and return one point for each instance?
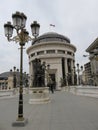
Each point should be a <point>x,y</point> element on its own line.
<point>51,36</point>
<point>57,51</point>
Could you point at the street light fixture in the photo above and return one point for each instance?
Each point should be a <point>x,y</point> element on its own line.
<point>19,23</point>
<point>25,78</point>
<point>14,76</point>
<point>75,75</point>
<point>79,69</point>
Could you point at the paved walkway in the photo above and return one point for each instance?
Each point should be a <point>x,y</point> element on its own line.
<point>65,112</point>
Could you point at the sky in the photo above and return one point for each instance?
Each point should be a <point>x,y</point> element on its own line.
<point>75,19</point>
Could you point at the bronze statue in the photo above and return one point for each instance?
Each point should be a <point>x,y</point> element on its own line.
<point>39,73</point>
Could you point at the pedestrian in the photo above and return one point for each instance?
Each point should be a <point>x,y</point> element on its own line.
<point>52,86</point>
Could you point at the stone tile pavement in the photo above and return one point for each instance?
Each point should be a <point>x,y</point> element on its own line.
<point>65,112</point>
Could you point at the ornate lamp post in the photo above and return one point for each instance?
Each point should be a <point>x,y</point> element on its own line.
<point>14,76</point>
<point>25,79</point>
<point>75,76</point>
<point>79,69</point>
<point>19,23</point>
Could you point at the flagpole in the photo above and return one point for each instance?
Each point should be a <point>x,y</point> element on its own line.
<point>51,27</point>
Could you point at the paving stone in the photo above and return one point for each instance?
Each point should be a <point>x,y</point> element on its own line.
<point>65,112</point>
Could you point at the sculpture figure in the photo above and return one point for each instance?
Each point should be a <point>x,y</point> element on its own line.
<point>39,73</point>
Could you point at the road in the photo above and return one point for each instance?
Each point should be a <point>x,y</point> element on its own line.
<point>65,112</point>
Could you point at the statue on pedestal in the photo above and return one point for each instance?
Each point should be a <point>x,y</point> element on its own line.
<point>39,73</point>
<point>40,93</point>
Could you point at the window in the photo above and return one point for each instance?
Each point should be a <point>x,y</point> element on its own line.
<point>50,51</point>
<point>69,53</point>
<point>40,52</point>
<point>33,54</point>
<point>61,51</point>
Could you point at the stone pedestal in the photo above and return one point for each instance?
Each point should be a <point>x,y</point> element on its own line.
<point>20,123</point>
<point>39,95</point>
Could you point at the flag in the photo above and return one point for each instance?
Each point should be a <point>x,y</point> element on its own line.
<point>52,25</point>
<point>84,55</point>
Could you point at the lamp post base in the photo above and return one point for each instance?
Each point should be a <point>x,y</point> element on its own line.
<point>20,123</point>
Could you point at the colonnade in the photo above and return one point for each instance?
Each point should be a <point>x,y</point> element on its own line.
<point>64,70</point>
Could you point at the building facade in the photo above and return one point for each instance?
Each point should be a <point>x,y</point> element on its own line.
<point>93,57</point>
<point>87,74</point>
<point>10,80</point>
<point>6,81</point>
<point>57,51</point>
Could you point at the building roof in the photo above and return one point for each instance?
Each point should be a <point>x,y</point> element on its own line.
<point>3,78</point>
<point>7,74</point>
<point>92,46</point>
<point>51,36</point>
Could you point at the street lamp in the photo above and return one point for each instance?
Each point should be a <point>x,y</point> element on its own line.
<point>14,76</point>
<point>25,80</point>
<point>48,66</point>
<point>79,69</point>
<point>75,75</point>
<point>19,23</point>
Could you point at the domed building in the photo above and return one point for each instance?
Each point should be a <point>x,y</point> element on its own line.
<point>57,52</point>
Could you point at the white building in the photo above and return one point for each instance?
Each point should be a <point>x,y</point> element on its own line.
<point>93,57</point>
<point>57,51</point>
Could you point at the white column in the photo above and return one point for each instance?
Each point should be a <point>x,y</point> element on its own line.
<point>59,74</point>
<point>72,71</point>
<point>31,72</point>
<point>66,70</point>
<point>66,67</point>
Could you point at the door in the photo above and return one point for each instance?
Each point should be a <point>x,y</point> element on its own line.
<point>52,76</point>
